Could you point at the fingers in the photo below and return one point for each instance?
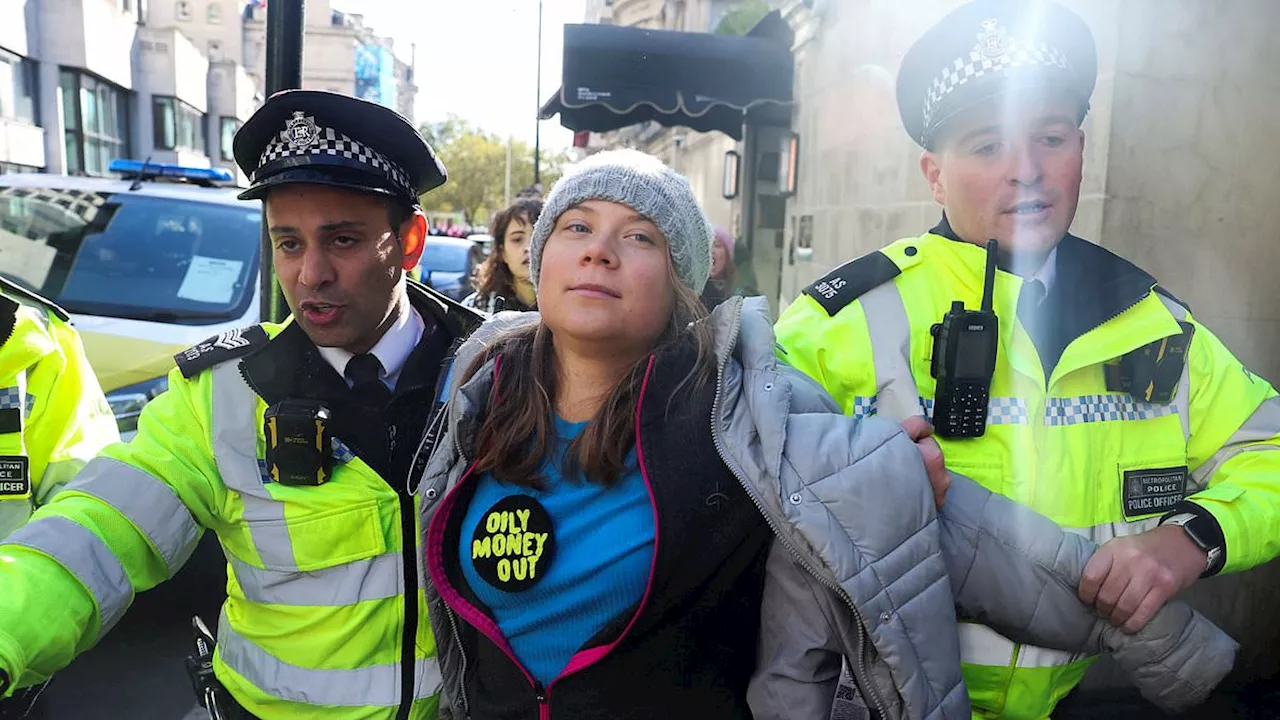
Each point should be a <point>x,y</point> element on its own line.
<point>1113,588</point>
<point>1095,572</point>
<point>936,467</point>
<point>1134,594</point>
<point>917,428</point>
<point>1150,605</point>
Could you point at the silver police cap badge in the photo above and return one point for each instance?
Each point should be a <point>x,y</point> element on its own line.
<point>300,131</point>
<point>993,41</point>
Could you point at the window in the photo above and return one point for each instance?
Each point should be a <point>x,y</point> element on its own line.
<point>213,14</point>
<point>182,10</point>
<point>96,116</point>
<point>227,128</point>
<point>17,88</point>
<point>133,256</point>
<point>177,124</point>
<point>215,50</point>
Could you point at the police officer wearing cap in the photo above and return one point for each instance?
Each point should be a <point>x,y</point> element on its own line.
<point>1106,406</point>
<point>293,442</point>
<point>53,419</point>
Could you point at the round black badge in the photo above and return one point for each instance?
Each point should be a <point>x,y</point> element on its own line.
<point>514,543</point>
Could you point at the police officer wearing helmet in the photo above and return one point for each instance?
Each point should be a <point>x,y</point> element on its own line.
<point>1109,407</point>
<point>293,442</point>
<point>53,419</point>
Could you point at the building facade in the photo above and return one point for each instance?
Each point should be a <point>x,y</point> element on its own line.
<point>340,54</point>
<point>83,82</point>
<point>699,156</point>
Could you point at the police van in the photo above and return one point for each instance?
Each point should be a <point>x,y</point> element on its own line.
<point>147,264</point>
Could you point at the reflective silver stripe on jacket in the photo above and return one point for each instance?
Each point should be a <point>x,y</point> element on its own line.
<point>896,395</point>
<point>1262,426</point>
<point>152,506</point>
<point>1103,532</point>
<point>374,685</point>
<point>86,557</point>
<point>980,645</point>
<point>235,448</point>
<point>375,578</point>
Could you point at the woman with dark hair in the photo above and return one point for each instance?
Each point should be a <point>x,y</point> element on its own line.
<point>502,281</point>
<point>720,285</point>
<point>635,511</point>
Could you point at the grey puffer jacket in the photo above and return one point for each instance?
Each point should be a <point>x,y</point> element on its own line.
<point>863,571</point>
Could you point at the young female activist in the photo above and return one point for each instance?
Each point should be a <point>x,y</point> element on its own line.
<point>633,511</point>
<point>502,281</point>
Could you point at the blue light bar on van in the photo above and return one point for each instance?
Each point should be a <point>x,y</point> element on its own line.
<point>135,167</point>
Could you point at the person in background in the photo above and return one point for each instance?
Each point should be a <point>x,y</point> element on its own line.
<point>635,511</point>
<point>723,271</point>
<point>1112,410</point>
<point>502,281</point>
<point>53,419</point>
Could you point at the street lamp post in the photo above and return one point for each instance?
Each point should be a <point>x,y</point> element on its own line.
<point>284,72</point>
<point>537,126</point>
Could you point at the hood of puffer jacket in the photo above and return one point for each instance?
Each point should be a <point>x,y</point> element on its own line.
<point>831,487</point>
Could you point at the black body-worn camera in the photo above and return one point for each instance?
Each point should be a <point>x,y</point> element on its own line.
<point>299,442</point>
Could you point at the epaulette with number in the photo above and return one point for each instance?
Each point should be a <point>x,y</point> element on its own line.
<point>835,290</point>
<point>16,291</point>
<point>220,348</point>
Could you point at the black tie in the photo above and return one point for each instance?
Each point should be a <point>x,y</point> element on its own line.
<point>1029,301</point>
<point>1031,313</point>
<point>365,372</point>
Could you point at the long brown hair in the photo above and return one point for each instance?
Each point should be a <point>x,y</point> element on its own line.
<point>519,427</point>
<point>493,277</point>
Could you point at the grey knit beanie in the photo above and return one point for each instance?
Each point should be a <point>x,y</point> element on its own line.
<point>644,184</point>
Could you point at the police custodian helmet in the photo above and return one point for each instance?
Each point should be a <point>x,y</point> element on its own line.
<point>983,48</point>
<point>326,138</point>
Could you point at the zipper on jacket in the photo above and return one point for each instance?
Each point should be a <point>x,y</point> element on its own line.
<point>544,704</point>
<point>860,674</point>
<point>462,653</point>
<point>409,550</point>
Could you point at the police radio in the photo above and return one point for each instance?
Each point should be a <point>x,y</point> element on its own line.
<point>964,361</point>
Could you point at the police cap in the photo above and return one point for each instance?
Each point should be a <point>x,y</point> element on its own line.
<point>983,48</point>
<point>326,138</point>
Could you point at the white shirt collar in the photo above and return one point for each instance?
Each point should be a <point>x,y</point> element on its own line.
<point>392,349</point>
<point>1048,272</point>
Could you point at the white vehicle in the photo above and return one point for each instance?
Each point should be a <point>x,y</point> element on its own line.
<point>484,240</point>
<point>146,268</point>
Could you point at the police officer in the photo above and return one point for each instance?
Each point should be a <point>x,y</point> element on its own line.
<point>292,442</point>
<point>1111,409</point>
<point>53,417</point>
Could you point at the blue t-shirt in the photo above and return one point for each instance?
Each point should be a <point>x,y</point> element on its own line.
<point>553,594</point>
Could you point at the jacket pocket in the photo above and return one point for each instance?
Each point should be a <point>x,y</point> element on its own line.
<point>320,539</point>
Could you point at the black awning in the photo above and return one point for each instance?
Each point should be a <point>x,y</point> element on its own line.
<point>619,76</point>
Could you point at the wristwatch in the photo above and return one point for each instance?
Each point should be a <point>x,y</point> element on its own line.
<point>1199,530</point>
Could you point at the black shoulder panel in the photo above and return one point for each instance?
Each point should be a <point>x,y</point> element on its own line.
<point>1162,291</point>
<point>219,349</point>
<point>12,288</point>
<point>851,281</point>
<point>8,318</point>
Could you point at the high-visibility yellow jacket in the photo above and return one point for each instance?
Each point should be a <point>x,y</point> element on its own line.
<point>53,416</point>
<point>1087,455</point>
<point>315,620</point>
